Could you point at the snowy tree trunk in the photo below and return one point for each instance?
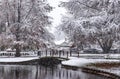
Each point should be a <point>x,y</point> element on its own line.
<point>17,50</point>
<point>106,49</point>
<point>18,30</point>
<point>106,45</point>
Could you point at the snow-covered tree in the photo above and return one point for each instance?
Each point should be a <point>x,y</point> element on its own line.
<point>25,22</point>
<point>97,21</point>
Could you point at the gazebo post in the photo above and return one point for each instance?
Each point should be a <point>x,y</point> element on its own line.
<point>70,53</point>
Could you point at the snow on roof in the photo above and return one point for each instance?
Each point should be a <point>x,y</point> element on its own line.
<point>66,44</point>
<point>18,42</point>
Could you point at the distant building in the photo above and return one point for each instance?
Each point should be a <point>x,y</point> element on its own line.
<point>64,46</point>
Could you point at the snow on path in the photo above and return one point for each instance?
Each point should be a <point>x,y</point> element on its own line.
<point>18,59</point>
<point>79,62</point>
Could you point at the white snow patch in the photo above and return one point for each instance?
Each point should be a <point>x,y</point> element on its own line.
<point>79,62</point>
<point>18,59</point>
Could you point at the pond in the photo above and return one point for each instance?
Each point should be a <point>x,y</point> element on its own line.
<point>40,72</point>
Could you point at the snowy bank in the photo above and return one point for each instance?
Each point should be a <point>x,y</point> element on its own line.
<point>18,59</point>
<point>85,63</point>
<point>114,70</point>
<point>80,62</point>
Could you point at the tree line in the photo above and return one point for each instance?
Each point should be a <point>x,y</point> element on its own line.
<point>92,22</point>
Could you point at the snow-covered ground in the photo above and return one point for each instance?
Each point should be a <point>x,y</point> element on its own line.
<point>79,62</point>
<point>18,59</point>
<point>112,56</point>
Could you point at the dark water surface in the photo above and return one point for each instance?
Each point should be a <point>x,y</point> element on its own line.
<point>40,72</point>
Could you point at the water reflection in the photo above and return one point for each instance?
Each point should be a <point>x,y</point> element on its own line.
<point>40,72</point>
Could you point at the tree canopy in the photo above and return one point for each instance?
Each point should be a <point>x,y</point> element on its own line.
<point>25,23</point>
<point>93,21</point>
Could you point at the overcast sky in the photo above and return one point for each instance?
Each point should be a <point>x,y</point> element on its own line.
<point>56,14</point>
